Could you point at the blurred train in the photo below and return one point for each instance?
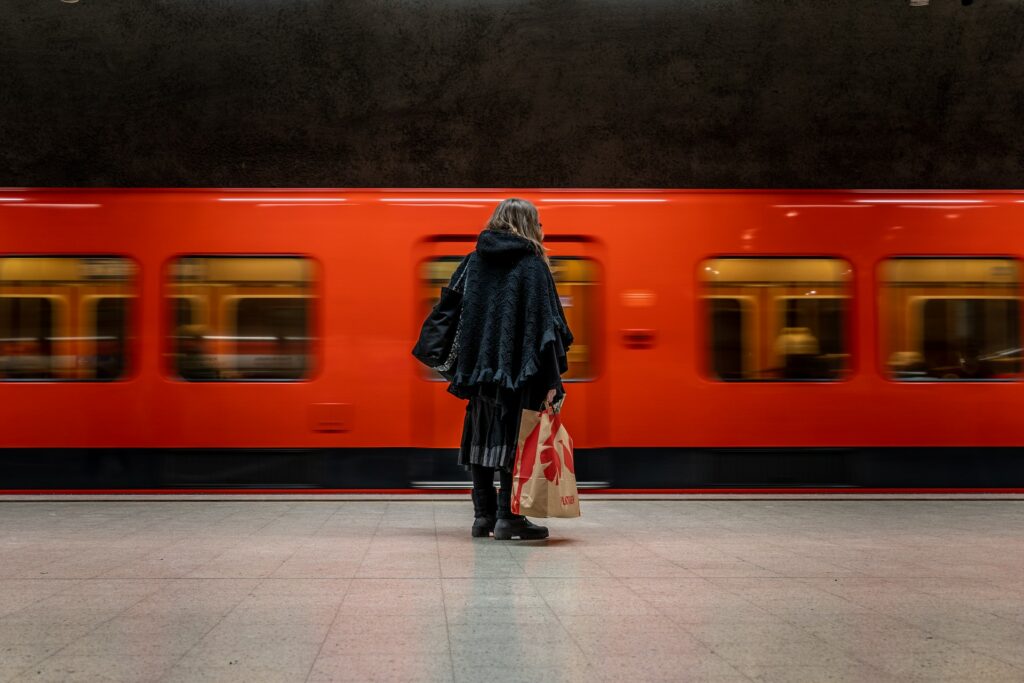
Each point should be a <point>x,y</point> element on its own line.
<point>726,340</point>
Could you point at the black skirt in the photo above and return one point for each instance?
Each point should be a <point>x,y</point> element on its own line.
<point>490,432</point>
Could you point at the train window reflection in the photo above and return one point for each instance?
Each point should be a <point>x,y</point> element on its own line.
<point>951,318</point>
<point>185,310</point>
<point>777,318</point>
<point>241,318</point>
<point>576,281</point>
<point>65,318</point>
<point>728,324</point>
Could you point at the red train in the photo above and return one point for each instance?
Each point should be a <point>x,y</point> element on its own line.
<point>167,339</point>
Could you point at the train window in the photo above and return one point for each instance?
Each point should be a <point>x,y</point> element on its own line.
<point>575,280</point>
<point>951,318</point>
<point>241,318</point>
<point>777,318</point>
<point>65,318</point>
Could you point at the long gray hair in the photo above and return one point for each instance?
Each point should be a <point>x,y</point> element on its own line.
<point>519,217</point>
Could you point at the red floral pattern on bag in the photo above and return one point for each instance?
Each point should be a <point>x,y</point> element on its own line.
<point>524,466</point>
<point>549,457</point>
<point>544,476</point>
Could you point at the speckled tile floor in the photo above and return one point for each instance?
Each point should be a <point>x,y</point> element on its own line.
<point>688,590</point>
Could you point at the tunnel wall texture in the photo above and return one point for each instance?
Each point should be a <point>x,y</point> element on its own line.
<point>501,93</point>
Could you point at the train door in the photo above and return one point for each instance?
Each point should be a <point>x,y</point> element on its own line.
<point>576,269</point>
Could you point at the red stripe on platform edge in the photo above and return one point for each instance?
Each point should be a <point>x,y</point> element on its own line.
<point>790,491</point>
<point>414,492</point>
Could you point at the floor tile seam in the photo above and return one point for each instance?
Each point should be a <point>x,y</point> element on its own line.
<point>593,556</point>
<point>781,546</point>
<point>84,578</point>
<point>561,624</point>
<point>42,599</point>
<point>373,536</point>
<point>207,632</point>
<point>507,546</point>
<point>888,579</point>
<point>84,635</point>
<point>850,602</point>
<point>1019,622</point>
<point>176,542</point>
<point>657,610</point>
<point>844,651</point>
<point>444,601</point>
<point>904,577</point>
<point>747,600</point>
<point>728,553</point>
<point>677,563</point>
<point>307,542</point>
<point>807,579</point>
<point>831,646</point>
<point>327,633</point>
<point>77,585</point>
<point>366,552</point>
<point>153,523</point>
<point>710,647</point>
<point>754,564</point>
<point>807,556</point>
<point>989,655</point>
<point>241,540</point>
<point>911,624</point>
<point>663,557</point>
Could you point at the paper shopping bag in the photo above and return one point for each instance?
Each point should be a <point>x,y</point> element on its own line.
<point>544,476</point>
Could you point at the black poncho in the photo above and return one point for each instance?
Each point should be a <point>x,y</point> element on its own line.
<point>512,344</point>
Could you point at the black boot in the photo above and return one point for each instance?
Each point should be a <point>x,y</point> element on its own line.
<point>511,526</point>
<point>485,507</point>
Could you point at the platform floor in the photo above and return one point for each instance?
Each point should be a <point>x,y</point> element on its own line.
<point>689,590</point>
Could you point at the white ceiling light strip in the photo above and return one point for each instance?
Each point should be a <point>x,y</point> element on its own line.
<point>282,199</point>
<point>603,200</point>
<point>919,201</point>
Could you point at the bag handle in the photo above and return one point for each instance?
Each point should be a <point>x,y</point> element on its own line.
<point>463,274</point>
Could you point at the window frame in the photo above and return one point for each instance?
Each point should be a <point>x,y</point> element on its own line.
<point>316,293</point>
<point>62,312</point>
<point>594,366</point>
<point>880,337</point>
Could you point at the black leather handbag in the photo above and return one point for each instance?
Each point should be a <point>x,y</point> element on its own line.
<point>438,344</point>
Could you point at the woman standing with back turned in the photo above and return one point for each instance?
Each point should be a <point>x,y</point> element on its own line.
<point>513,339</point>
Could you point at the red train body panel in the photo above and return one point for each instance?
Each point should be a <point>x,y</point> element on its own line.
<point>648,247</point>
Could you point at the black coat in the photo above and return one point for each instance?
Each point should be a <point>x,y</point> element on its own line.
<point>513,333</point>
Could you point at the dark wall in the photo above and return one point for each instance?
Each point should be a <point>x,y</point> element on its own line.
<point>616,93</point>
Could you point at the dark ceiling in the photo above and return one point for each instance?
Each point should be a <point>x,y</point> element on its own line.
<point>585,93</point>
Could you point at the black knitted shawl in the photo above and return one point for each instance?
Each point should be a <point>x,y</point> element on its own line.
<point>510,314</point>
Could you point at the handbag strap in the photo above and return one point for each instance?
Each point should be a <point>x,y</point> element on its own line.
<point>463,275</point>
